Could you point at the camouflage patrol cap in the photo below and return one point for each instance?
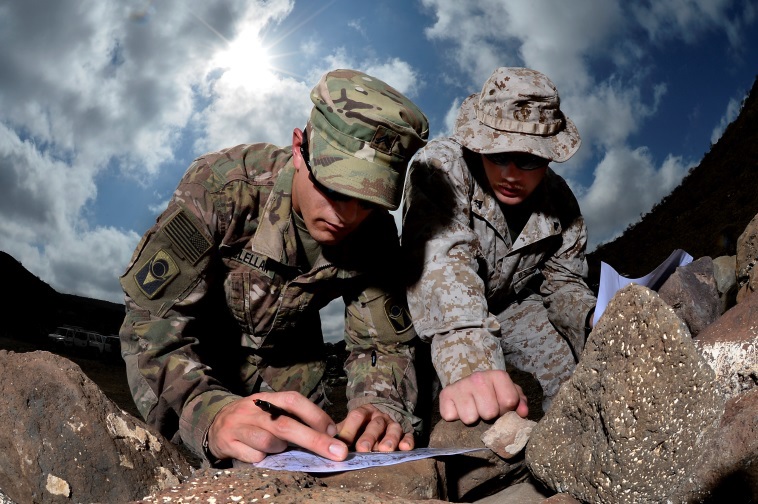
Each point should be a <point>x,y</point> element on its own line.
<point>518,110</point>
<point>362,134</point>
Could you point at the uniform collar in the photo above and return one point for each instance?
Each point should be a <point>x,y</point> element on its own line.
<point>275,237</point>
<point>541,224</point>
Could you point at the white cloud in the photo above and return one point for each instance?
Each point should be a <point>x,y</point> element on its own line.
<point>102,82</point>
<point>627,184</point>
<point>733,109</point>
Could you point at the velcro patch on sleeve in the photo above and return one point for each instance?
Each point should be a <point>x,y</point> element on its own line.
<point>186,238</point>
<point>156,273</point>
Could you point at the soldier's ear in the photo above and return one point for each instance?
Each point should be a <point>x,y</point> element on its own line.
<point>297,139</point>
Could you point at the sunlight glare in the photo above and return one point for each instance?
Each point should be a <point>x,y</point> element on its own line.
<point>247,62</point>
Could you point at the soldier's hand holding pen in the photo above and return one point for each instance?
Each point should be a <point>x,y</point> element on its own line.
<point>248,432</point>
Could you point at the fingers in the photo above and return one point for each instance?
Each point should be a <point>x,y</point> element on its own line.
<point>482,395</point>
<point>373,430</point>
<point>246,432</point>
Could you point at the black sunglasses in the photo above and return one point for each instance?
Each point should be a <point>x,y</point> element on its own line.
<point>329,193</point>
<point>522,160</point>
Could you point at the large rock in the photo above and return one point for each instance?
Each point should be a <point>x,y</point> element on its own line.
<point>64,441</point>
<point>691,291</point>
<point>730,347</point>
<point>260,485</point>
<point>633,421</point>
<point>474,475</point>
<point>747,257</point>
<point>411,480</point>
<point>725,273</point>
<point>730,468</point>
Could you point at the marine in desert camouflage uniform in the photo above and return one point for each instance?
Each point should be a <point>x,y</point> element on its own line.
<point>497,243</point>
<point>223,293</point>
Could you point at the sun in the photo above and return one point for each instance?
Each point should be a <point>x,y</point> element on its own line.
<point>246,61</point>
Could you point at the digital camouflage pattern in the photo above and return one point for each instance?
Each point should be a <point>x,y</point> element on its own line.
<point>518,110</point>
<point>219,306</point>
<point>364,134</point>
<point>475,286</point>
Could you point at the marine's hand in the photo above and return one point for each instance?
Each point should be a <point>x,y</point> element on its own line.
<point>484,394</point>
<point>243,431</point>
<point>372,430</point>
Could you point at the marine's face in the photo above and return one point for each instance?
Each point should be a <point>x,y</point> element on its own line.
<point>510,183</point>
<point>328,219</point>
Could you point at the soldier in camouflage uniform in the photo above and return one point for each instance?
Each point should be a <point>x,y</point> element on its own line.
<point>496,243</point>
<point>223,293</point>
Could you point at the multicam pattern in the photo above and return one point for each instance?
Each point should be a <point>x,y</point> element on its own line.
<point>364,134</point>
<point>469,272</point>
<point>243,317</point>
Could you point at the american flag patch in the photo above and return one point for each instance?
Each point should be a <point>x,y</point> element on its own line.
<point>185,236</point>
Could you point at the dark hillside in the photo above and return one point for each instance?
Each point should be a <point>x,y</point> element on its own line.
<point>32,308</point>
<point>705,214</point>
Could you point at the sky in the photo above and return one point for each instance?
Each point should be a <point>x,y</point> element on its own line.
<point>105,103</point>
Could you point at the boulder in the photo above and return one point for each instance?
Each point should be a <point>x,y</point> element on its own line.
<point>725,273</point>
<point>64,441</point>
<point>691,291</point>
<point>633,421</point>
<point>261,485</point>
<point>473,475</point>
<point>729,469</point>
<point>730,347</point>
<point>411,480</point>
<point>747,257</point>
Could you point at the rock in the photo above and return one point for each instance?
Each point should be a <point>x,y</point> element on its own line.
<point>747,257</point>
<point>633,421</point>
<point>63,440</point>
<point>725,273</point>
<point>527,492</point>
<point>411,480</point>
<point>730,468</point>
<point>261,485</point>
<point>472,475</point>
<point>508,436</point>
<point>730,347</point>
<point>691,291</point>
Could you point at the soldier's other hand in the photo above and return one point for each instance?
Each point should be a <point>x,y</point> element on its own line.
<point>484,394</point>
<point>372,430</point>
<point>243,431</point>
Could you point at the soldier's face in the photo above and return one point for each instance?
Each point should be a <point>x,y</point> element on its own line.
<point>328,219</point>
<point>510,184</point>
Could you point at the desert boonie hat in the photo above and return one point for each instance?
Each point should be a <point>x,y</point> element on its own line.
<point>363,133</point>
<point>518,110</point>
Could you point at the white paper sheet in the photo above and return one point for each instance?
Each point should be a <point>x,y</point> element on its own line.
<point>611,281</point>
<point>297,459</point>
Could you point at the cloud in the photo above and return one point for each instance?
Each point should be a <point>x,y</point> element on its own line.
<point>101,86</point>
<point>733,109</point>
<point>627,184</point>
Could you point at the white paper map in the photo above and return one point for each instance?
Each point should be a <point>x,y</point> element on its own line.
<point>297,459</point>
<point>611,281</point>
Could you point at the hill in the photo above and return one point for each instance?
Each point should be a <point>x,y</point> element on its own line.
<point>705,214</point>
<point>34,308</point>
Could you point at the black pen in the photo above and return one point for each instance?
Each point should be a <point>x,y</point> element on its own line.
<point>272,409</point>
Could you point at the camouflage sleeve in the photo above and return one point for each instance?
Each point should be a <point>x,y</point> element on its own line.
<point>567,297</point>
<point>165,284</point>
<point>379,367</point>
<point>446,295</point>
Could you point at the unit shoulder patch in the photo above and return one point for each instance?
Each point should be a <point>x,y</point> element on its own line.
<point>156,273</point>
<point>397,315</point>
